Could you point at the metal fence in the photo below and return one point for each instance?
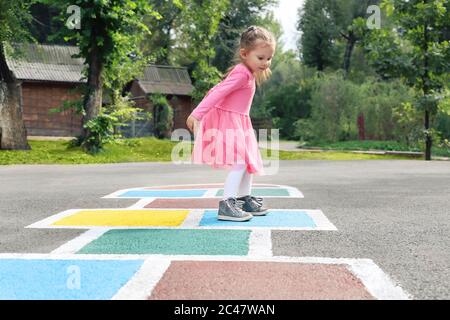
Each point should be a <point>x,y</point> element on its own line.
<point>137,128</point>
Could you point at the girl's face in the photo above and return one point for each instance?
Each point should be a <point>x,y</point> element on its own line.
<point>260,58</point>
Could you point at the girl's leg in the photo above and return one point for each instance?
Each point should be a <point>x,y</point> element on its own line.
<point>246,184</point>
<point>233,181</point>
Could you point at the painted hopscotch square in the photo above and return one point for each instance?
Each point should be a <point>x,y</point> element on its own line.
<point>170,242</point>
<point>51,279</point>
<point>124,218</point>
<point>193,280</point>
<point>276,219</point>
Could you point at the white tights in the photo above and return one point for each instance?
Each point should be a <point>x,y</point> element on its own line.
<point>238,182</point>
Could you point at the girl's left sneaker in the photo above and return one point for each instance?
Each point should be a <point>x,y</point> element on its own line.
<point>253,205</point>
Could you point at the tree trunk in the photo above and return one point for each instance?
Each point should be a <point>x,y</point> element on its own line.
<point>426,90</point>
<point>428,141</point>
<point>93,98</point>
<point>13,134</point>
<point>348,54</point>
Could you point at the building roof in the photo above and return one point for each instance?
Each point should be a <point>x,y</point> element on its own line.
<point>166,80</point>
<point>40,62</point>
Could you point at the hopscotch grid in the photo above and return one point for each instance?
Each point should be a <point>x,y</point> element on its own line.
<point>377,282</point>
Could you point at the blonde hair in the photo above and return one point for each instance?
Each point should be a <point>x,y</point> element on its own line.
<point>248,41</point>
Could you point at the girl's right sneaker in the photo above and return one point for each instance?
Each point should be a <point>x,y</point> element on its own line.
<point>231,209</point>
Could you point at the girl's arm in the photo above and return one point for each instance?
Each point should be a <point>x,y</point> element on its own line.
<point>233,81</point>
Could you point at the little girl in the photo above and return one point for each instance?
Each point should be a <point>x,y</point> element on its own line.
<point>222,127</point>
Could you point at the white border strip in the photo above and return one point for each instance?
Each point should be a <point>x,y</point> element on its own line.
<point>260,244</point>
<point>117,193</point>
<point>211,193</point>
<point>191,221</point>
<point>74,245</point>
<point>140,204</point>
<point>47,222</point>
<point>321,220</point>
<point>140,286</point>
<point>378,283</point>
<point>293,192</point>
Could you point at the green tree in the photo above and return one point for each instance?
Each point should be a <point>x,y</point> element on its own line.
<point>196,28</point>
<point>14,20</point>
<point>110,31</point>
<point>418,51</point>
<point>318,26</point>
<point>159,42</point>
<point>346,12</point>
<point>239,15</point>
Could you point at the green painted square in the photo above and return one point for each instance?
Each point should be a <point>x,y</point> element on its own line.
<point>261,192</point>
<point>170,242</point>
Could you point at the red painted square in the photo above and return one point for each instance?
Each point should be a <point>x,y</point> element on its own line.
<point>198,203</point>
<point>244,280</point>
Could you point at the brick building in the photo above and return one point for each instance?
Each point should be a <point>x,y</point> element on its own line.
<point>49,76</point>
<point>174,82</point>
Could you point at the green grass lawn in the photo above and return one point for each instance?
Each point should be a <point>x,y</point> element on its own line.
<point>377,145</point>
<point>146,150</point>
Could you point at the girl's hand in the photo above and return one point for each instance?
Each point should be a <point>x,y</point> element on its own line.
<point>192,124</point>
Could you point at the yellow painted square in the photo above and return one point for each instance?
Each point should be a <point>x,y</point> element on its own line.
<point>125,218</point>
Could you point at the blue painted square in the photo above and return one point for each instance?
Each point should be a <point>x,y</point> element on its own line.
<point>44,279</point>
<point>273,219</point>
<point>163,193</point>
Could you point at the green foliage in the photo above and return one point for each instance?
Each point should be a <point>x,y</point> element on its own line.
<point>379,101</point>
<point>15,20</point>
<point>163,116</point>
<point>286,96</point>
<point>408,123</point>
<point>304,130</point>
<point>114,27</point>
<point>318,27</point>
<point>109,40</point>
<point>237,17</point>
<point>103,128</point>
<point>334,108</point>
<point>198,23</point>
<point>206,77</point>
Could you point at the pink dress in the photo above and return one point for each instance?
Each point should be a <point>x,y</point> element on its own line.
<point>225,136</point>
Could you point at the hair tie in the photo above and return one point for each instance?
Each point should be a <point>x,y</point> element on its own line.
<point>251,28</point>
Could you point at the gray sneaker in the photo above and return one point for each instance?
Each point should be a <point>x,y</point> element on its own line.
<point>231,209</point>
<point>253,205</point>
